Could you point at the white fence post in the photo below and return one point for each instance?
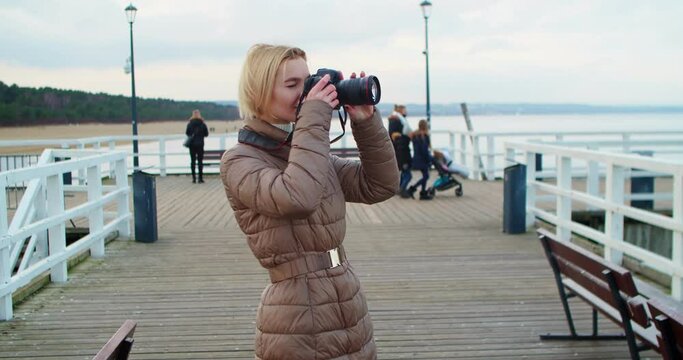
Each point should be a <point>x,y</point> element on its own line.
<point>463,151</point>
<point>112,147</point>
<point>677,246</point>
<point>221,142</point>
<point>509,157</point>
<point>530,190</point>
<point>162,157</point>
<point>96,216</point>
<point>123,199</point>
<point>81,172</point>
<point>41,213</point>
<point>476,160</point>
<point>451,145</point>
<point>5,267</point>
<point>593,179</point>
<point>490,157</point>
<point>626,143</point>
<point>57,233</point>
<point>564,202</point>
<point>614,222</point>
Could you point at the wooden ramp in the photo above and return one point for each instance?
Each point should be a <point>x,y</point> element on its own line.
<point>442,282</point>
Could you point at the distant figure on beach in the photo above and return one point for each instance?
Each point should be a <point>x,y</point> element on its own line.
<point>288,195</point>
<point>196,131</point>
<point>400,131</point>
<point>422,159</point>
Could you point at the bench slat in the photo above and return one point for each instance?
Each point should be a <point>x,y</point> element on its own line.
<point>637,306</point>
<point>593,284</point>
<point>119,345</point>
<point>213,154</point>
<point>670,324</point>
<point>594,264</point>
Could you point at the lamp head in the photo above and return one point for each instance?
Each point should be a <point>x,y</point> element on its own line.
<point>130,13</point>
<point>426,8</point>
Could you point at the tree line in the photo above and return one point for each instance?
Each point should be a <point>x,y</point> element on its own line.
<point>21,106</point>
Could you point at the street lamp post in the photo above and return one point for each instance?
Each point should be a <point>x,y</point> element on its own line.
<point>426,12</point>
<point>130,14</point>
<point>144,188</point>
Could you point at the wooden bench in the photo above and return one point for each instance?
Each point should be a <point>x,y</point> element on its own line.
<point>213,157</point>
<point>606,287</point>
<point>669,322</point>
<point>119,345</point>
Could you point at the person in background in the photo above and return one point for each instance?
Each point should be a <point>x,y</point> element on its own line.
<point>288,195</point>
<point>400,131</point>
<point>422,159</point>
<point>196,131</point>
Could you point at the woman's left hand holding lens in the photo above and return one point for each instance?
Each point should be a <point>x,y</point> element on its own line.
<point>359,112</point>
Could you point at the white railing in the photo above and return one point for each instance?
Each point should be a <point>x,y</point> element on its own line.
<point>484,154</point>
<point>612,202</point>
<point>481,152</point>
<point>35,240</point>
<point>159,154</point>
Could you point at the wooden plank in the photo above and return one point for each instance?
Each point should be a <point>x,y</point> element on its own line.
<point>441,279</point>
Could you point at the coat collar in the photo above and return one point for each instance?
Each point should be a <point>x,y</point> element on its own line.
<point>271,132</point>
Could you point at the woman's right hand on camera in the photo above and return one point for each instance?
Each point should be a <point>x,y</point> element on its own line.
<point>324,91</point>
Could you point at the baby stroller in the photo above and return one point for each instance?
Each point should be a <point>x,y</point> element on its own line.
<point>446,169</point>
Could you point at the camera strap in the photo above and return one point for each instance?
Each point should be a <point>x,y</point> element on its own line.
<point>342,122</point>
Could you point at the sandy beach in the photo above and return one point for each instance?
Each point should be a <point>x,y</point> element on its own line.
<point>88,130</point>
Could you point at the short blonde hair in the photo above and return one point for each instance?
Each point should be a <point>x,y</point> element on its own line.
<point>258,77</point>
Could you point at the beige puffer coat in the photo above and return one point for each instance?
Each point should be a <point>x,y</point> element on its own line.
<point>290,203</point>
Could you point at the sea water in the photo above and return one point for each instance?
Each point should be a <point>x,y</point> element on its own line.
<point>666,122</point>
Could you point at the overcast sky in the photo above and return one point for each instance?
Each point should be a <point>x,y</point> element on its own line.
<point>540,51</point>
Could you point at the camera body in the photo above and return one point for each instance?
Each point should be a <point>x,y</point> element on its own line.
<point>356,91</point>
<point>335,77</point>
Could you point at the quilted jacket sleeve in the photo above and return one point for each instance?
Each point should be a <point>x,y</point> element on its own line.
<point>375,177</point>
<point>295,191</point>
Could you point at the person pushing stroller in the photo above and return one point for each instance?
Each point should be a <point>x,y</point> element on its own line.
<point>446,168</point>
<point>422,160</point>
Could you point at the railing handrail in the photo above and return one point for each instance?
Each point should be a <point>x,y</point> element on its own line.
<point>35,242</point>
<point>564,133</point>
<point>626,160</point>
<point>613,203</point>
<point>463,145</point>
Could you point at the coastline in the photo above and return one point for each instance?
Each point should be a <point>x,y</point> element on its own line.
<point>89,130</point>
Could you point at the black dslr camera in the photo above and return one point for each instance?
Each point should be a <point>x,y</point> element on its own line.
<point>356,91</point>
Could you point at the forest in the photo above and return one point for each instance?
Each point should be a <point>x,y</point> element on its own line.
<point>26,106</point>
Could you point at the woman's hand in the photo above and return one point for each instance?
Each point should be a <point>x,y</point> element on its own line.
<point>359,112</point>
<point>324,91</point>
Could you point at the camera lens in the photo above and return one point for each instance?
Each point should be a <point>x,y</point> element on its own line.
<point>374,90</point>
<point>359,91</point>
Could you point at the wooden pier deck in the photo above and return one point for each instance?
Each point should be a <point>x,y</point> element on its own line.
<point>441,279</point>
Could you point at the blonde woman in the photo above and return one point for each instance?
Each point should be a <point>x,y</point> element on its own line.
<point>196,131</point>
<point>289,200</point>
